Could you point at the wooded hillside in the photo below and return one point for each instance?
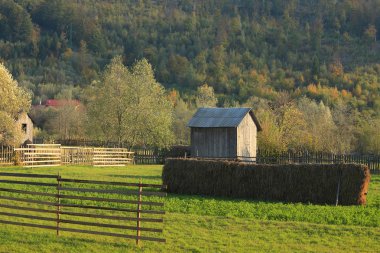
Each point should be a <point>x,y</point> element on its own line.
<point>247,51</point>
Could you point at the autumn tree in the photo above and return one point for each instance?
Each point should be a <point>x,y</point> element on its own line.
<point>205,96</point>
<point>182,115</point>
<point>129,106</point>
<point>13,100</point>
<point>320,125</point>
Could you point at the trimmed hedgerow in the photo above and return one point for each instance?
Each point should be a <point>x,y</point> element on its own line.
<point>308,183</point>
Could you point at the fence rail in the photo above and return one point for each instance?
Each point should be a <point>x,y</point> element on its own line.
<point>372,161</point>
<point>77,155</point>
<point>44,155</point>
<point>6,155</point>
<point>148,156</point>
<point>85,156</point>
<point>111,156</point>
<point>133,199</point>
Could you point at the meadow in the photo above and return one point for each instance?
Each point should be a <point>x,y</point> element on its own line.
<point>208,224</point>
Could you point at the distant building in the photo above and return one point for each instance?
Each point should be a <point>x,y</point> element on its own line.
<point>224,133</point>
<point>25,123</point>
<point>62,102</point>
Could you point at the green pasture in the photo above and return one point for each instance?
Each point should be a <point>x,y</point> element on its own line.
<point>207,224</point>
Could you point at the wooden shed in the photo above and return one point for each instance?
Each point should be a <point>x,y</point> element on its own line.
<point>224,133</point>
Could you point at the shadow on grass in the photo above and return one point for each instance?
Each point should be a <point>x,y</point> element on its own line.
<point>69,239</point>
<point>217,198</point>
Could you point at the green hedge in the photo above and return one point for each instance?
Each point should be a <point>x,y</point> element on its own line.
<point>308,183</point>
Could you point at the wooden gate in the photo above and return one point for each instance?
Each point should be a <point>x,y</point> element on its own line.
<point>52,200</point>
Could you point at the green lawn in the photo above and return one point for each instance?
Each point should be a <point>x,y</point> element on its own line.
<point>206,224</point>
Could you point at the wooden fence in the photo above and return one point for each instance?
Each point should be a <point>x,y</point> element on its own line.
<point>84,155</point>
<point>149,156</point>
<point>6,156</point>
<point>40,155</point>
<point>112,157</point>
<point>265,157</point>
<point>50,194</point>
<point>43,155</point>
<point>77,155</point>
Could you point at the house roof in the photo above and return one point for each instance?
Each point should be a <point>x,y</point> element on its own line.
<point>27,114</point>
<point>221,117</point>
<point>61,102</point>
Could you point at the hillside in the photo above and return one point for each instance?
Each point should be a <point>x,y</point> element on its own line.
<point>264,54</point>
<point>323,49</point>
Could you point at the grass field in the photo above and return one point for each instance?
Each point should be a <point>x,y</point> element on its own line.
<point>206,224</point>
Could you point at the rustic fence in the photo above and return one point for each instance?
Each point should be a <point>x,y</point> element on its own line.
<point>6,155</point>
<point>44,155</point>
<point>84,155</point>
<point>76,155</point>
<point>112,157</point>
<point>265,157</point>
<point>49,197</point>
<point>149,156</point>
<point>40,155</point>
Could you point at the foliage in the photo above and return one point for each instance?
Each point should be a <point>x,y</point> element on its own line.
<point>13,100</point>
<point>129,106</point>
<point>205,97</point>
<point>15,22</point>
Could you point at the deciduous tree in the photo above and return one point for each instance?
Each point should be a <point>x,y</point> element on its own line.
<point>130,106</point>
<point>13,100</point>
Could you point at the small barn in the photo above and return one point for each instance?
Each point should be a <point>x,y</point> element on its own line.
<point>224,133</point>
<point>25,123</point>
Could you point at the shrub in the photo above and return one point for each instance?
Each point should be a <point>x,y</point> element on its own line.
<point>314,183</point>
<point>178,151</point>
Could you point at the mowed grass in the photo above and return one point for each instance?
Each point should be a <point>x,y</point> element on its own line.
<point>207,224</point>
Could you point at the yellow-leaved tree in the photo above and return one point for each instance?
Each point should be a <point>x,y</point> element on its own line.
<point>13,101</point>
<point>129,106</point>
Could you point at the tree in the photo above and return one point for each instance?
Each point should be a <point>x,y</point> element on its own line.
<point>182,115</point>
<point>205,96</point>
<point>369,137</point>
<point>269,139</point>
<point>293,128</point>
<point>66,122</point>
<point>15,24</point>
<point>370,33</point>
<point>320,125</point>
<point>13,100</point>
<point>129,106</point>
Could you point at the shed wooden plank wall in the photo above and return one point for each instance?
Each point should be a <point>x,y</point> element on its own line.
<point>246,138</point>
<point>213,142</point>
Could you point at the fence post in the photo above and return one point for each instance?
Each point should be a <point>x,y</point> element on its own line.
<point>58,201</point>
<point>139,212</point>
<point>338,188</point>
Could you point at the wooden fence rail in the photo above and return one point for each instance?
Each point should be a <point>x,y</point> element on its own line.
<point>6,155</point>
<point>111,156</point>
<point>77,155</point>
<point>44,155</point>
<point>85,156</point>
<point>60,201</point>
<point>372,161</point>
<point>148,156</point>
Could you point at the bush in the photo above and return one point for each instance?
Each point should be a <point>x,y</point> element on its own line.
<point>314,183</point>
<point>178,151</point>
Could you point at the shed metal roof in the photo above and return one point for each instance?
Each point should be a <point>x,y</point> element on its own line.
<point>221,117</point>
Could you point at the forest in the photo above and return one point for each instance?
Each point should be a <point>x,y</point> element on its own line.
<point>310,69</point>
